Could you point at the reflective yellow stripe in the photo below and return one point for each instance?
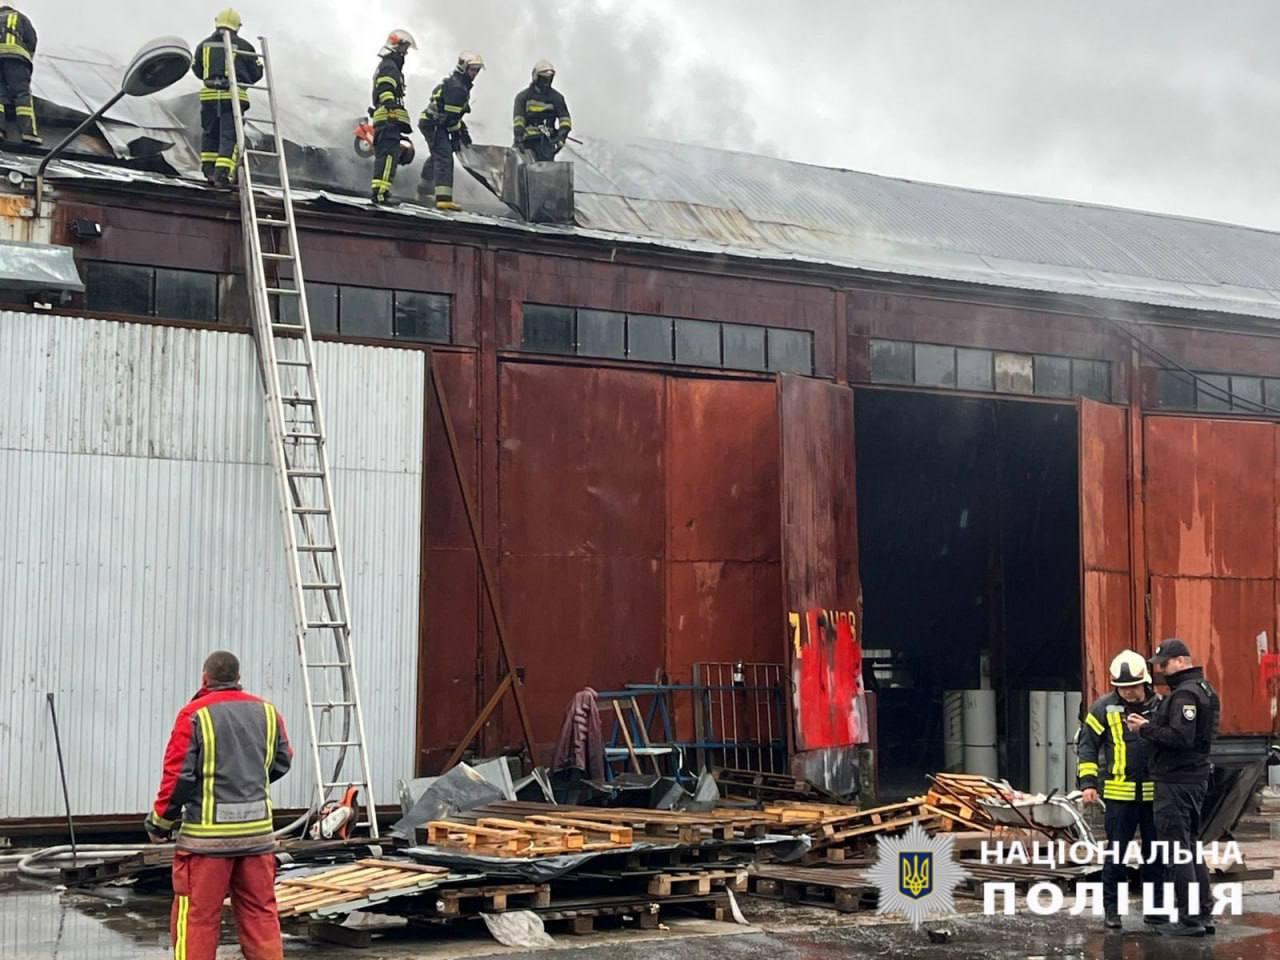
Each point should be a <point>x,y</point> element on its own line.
<point>210,759</point>
<point>1111,790</point>
<point>180,935</point>
<point>247,828</point>
<point>208,51</point>
<point>1087,768</point>
<point>390,80</point>
<point>566,123</point>
<point>518,121</point>
<point>450,108</point>
<point>1120,760</point>
<point>271,736</point>
<point>1148,791</point>
<point>387,96</point>
<point>1093,723</point>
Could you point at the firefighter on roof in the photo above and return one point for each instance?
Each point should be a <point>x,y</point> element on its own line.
<point>1113,761</point>
<point>541,123</point>
<point>219,152</point>
<point>16,53</point>
<point>391,123</point>
<point>445,128</point>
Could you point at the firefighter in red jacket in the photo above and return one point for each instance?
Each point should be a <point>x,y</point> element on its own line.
<point>226,749</point>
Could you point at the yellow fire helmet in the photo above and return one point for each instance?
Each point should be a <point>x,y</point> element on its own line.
<point>227,19</point>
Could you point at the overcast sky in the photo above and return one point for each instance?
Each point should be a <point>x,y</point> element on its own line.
<point>1170,106</point>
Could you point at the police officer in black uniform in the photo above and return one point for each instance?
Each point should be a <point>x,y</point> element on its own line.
<point>1182,734</point>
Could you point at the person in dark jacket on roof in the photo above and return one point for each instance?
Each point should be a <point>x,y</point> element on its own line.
<point>1181,734</point>
<point>390,118</point>
<point>17,51</point>
<point>219,152</point>
<point>226,749</point>
<point>444,125</point>
<point>1112,759</point>
<point>541,121</point>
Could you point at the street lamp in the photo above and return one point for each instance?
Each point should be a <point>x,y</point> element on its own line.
<point>159,64</point>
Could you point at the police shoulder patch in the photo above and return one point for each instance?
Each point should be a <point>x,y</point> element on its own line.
<point>1189,712</point>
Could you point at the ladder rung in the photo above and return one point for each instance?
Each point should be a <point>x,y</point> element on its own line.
<point>293,363</point>
<point>337,743</point>
<point>326,625</point>
<point>316,548</point>
<point>313,474</point>
<point>311,511</point>
<point>270,222</point>
<point>284,292</point>
<point>322,586</point>
<point>253,152</point>
<point>327,704</point>
<point>343,783</point>
<point>303,436</point>
<point>333,665</point>
<point>277,256</point>
<point>299,401</point>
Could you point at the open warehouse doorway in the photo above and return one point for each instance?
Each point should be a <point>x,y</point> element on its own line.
<point>969,554</point>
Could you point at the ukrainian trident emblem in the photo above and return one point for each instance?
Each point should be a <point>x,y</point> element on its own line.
<point>916,871</point>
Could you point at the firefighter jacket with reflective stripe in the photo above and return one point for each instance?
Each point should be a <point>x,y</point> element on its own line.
<point>388,92</point>
<point>226,749</point>
<point>19,35</point>
<point>450,102</point>
<point>210,66</point>
<point>1183,729</point>
<point>540,111</point>
<point>1111,758</point>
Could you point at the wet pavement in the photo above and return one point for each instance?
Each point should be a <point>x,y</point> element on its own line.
<point>39,923</point>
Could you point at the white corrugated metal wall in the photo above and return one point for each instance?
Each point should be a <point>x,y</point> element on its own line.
<point>138,531</point>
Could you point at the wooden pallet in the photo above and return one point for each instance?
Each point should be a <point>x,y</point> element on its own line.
<point>690,828</point>
<point>471,901</point>
<point>482,841</point>
<point>766,786</point>
<point>791,813</point>
<point>360,882</point>
<point>697,883</point>
<point>813,886</point>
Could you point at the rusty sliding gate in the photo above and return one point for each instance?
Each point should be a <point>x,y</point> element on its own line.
<point>740,716</point>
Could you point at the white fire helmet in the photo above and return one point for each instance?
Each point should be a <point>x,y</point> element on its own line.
<point>1129,669</point>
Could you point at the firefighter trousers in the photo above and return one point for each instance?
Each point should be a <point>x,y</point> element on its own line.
<point>1177,816</point>
<point>218,149</point>
<point>386,156</point>
<point>201,883</point>
<point>437,172</point>
<point>1124,820</point>
<point>15,93</point>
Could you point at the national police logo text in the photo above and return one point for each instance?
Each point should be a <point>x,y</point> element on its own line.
<point>915,875</point>
<point>917,871</point>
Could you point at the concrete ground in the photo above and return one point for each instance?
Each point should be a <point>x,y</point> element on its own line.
<point>38,922</point>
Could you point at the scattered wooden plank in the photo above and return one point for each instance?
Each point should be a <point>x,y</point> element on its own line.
<point>361,882</point>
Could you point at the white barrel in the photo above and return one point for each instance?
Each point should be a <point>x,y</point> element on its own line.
<point>1038,740</point>
<point>1071,716</point>
<point>980,733</point>
<point>953,731</point>
<point>1056,727</point>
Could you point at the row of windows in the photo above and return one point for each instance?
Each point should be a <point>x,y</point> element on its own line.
<point>1216,392</point>
<point>637,336</point>
<point>964,368</point>
<point>213,298</point>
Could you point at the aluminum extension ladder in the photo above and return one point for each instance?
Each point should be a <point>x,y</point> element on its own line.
<point>286,355</point>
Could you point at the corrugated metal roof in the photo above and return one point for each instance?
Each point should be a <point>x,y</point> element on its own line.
<point>139,530</point>
<point>717,201</point>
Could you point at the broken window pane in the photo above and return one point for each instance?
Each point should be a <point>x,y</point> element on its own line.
<point>935,366</point>
<point>1013,373</point>
<point>186,295</point>
<point>547,329</point>
<point>790,351</point>
<point>1091,378</point>
<point>892,361</point>
<point>1052,376</point>
<point>422,316</point>
<point>602,333</point>
<point>1246,394</point>
<point>973,369</point>
<point>649,338</point>
<point>743,346</point>
<point>1175,390</point>
<point>364,312</point>
<point>119,288</point>
<point>1212,391</point>
<point>698,343</point>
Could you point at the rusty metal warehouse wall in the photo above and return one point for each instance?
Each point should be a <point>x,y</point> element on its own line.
<point>138,531</point>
